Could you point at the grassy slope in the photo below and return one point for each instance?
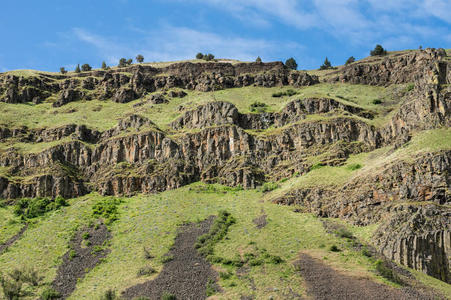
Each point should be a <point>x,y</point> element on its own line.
<point>152,221</point>
<point>9,224</point>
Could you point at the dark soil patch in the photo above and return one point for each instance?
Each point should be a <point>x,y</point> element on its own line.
<point>186,275</point>
<point>260,221</point>
<point>85,253</point>
<point>324,282</point>
<point>13,239</point>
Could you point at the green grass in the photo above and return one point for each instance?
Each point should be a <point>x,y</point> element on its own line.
<point>9,223</point>
<point>151,221</point>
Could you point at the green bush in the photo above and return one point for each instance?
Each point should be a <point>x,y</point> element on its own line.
<point>50,294</point>
<point>287,93</point>
<point>166,258</point>
<point>205,243</point>
<point>31,208</point>
<point>258,107</point>
<point>146,271</point>
<point>63,70</point>
<point>354,167</point>
<point>334,248</point>
<point>387,272</point>
<point>199,56</point>
<point>377,101</point>
<point>107,209</point>
<point>344,233</point>
<point>410,87</point>
<point>85,235</point>
<point>225,275</point>
<point>350,60</point>
<point>211,288</point>
<point>269,186</point>
<point>316,166</point>
<point>109,295</point>
<point>168,296</point>
<point>12,289</point>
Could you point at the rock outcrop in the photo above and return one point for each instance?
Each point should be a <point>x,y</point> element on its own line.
<point>121,87</point>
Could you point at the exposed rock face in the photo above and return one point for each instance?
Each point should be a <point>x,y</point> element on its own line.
<point>415,235</point>
<point>222,113</point>
<point>402,68</point>
<point>419,237</point>
<point>123,88</point>
<point>212,143</point>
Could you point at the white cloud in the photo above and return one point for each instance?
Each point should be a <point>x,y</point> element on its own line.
<point>176,43</point>
<point>358,22</point>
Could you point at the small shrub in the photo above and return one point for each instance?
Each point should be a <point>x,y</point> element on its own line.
<point>208,57</point>
<point>377,101</point>
<point>107,209</point>
<point>211,288</point>
<point>316,166</point>
<point>141,298</point>
<point>258,107</point>
<point>366,252</point>
<point>109,295</point>
<point>31,276</point>
<point>72,254</point>
<point>258,60</point>
<point>334,248</point>
<point>350,60</point>
<point>104,66</point>
<point>199,55</point>
<point>50,294</point>
<point>167,258</point>
<point>85,235</point>
<point>269,186</point>
<point>410,87</point>
<point>97,249</point>
<point>354,167</point>
<point>146,253</point>
<point>32,208</point>
<point>225,275</point>
<point>205,244</point>
<point>146,271</point>
<point>274,259</point>
<point>278,95</point>
<point>63,70</point>
<point>344,233</point>
<point>168,296</point>
<point>387,272</point>
<point>12,289</point>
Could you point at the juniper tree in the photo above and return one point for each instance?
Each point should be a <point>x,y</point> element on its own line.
<point>291,63</point>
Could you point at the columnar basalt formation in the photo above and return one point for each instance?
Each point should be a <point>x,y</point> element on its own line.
<point>216,143</point>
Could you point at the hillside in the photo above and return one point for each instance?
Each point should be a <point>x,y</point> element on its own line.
<point>337,178</point>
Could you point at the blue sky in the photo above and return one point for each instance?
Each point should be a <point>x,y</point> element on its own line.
<point>48,34</point>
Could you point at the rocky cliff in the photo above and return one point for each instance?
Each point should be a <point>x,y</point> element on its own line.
<point>215,142</point>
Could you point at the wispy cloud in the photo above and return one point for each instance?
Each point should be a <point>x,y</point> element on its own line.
<point>174,43</point>
<point>358,22</point>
